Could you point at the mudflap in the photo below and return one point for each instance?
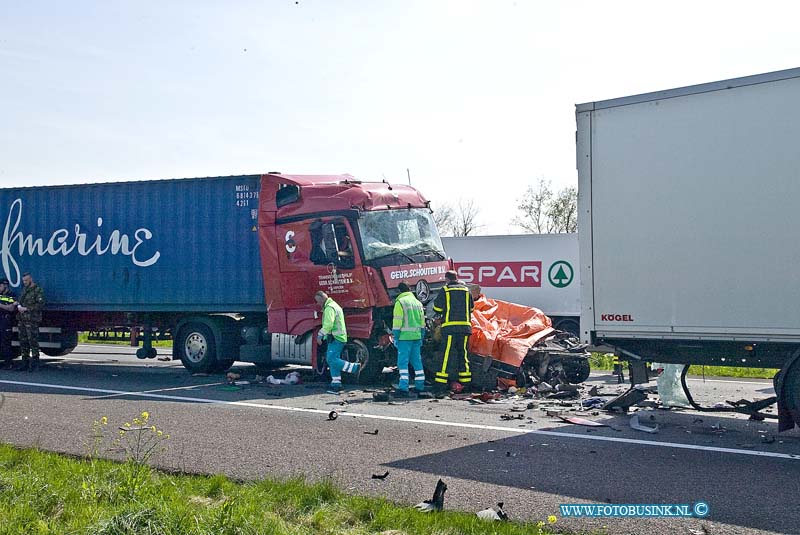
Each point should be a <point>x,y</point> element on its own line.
<point>787,388</point>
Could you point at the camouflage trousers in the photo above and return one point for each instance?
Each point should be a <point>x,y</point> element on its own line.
<point>29,340</point>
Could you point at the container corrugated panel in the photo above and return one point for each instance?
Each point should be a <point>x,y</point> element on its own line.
<point>166,245</point>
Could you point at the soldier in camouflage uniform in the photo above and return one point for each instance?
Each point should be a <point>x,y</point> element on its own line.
<point>31,303</point>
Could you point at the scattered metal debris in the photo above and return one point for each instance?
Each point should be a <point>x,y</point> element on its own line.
<point>493,515</point>
<point>380,476</point>
<point>639,427</point>
<point>381,396</point>
<point>582,421</point>
<point>627,399</point>
<point>332,415</point>
<point>437,502</point>
<point>371,432</point>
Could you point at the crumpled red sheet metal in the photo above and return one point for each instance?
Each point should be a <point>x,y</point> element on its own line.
<point>506,331</point>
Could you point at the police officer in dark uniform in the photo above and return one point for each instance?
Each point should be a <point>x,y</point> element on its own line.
<point>454,304</point>
<point>8,307</point>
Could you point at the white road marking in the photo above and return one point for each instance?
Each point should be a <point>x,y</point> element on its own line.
<point>512,430</point>
<point>730,380</point>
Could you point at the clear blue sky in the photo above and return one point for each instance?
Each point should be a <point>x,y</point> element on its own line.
<point>476,98</point>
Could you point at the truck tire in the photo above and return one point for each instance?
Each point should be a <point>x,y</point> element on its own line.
<point>68,340</point>
<point>53,352</point>
<point>197,348</point>
<point>791,389</point>
<point>576,370</point>
<point>357,351</point>
<point>484,377</point>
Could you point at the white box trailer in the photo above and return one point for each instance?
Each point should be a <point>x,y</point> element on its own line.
<point>536,270</point>
<point>688,222</point>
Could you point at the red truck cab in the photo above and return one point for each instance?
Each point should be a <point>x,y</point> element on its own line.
<point>354,240</point>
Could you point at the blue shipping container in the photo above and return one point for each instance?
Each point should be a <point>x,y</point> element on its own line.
<point>168,245</point>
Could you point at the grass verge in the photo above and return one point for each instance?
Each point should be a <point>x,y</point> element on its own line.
<point>43,493</point>
<point>83,338</point>
<point>601,361</point>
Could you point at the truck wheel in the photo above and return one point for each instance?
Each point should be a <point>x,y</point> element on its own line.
<point>52,352</point>
<point>197,348</point>
<point>357,351</point>
<point>483,376</point>
<point>791,389</point>
<point>576,370</point>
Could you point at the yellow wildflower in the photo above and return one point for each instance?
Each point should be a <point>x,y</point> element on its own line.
<point>104,420</point>
<point>551,519</point>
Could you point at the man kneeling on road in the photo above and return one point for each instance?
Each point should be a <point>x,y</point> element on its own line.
<point>408,327</point>
<point>333,328</point>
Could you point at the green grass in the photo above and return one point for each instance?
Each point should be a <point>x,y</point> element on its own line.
<point>44,493</point>
<point>600,361</point>
<point>83,338</point>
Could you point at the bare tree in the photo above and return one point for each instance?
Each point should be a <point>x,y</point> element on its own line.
<point>466,218</point>
<point>563,211</point>
<point>460,219</point>
<point>542,212</point>
<point>445,219</point>
<point>534,206</point>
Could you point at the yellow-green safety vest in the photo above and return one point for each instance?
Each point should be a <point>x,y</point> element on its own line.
<point>409,317</point>
<point>333,321</point>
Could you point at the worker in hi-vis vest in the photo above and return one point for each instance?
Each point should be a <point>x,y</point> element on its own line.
<point>408,328</point>
<point>334,330</point>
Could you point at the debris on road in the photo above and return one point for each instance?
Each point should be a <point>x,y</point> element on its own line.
<point>639,427</point>
<point>493,515</point>
<point>164,359</point>
<point>627,399</point>
<point>332,415</point>
<point>381,396</point>
<point>293,378</point>
<point>371,432</point>
<point>231,376</point>
<point>581,421</point>
<point>593,403</point>
<point>437,502</point>
<point>380,476</point>
<point>512,416</point>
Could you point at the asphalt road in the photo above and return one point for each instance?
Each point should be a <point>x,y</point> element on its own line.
<point>749,482</point>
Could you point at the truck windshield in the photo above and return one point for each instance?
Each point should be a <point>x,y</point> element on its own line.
<point>407,233</point>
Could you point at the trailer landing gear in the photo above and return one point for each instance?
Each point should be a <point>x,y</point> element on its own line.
<point>147,351</point>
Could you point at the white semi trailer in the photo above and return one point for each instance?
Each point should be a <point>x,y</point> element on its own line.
<point>536,270</point>
<point>689,214</point>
